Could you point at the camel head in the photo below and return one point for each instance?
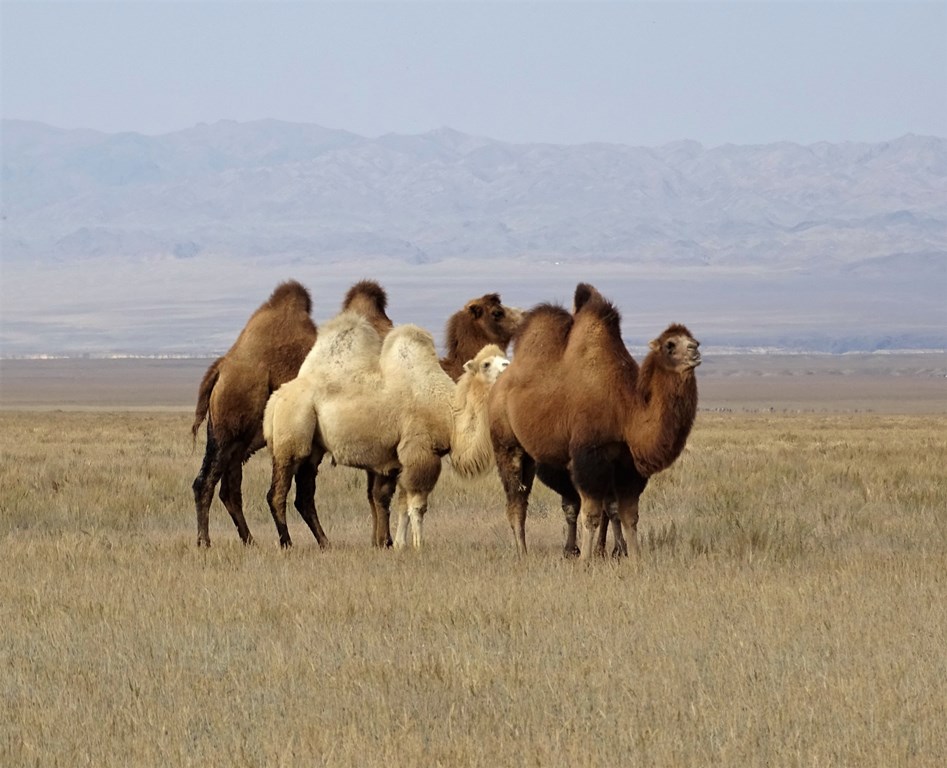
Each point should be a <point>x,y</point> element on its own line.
<point>489,363</point>
<point>496,322</point>
<point>676,349</point>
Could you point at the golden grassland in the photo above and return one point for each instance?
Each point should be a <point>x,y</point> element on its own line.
<point>789,608</point>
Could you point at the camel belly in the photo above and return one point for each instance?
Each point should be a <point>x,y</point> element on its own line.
<point>358,437</point>
<point>542,436</point>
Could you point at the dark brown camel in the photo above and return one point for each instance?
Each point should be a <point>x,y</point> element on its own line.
<point>482,321</point>
<point>576,403</point>
<point>235,388</point>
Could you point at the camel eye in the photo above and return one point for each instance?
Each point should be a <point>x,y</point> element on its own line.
<point>670,346</point>
<point>498,314</point>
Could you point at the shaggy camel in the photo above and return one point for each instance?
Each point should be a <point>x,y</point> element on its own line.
<point>380,404</point>
<point>235,388</point>
<point>576,404</point>
<point>482,321</point>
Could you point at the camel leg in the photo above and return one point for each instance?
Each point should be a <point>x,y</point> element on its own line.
<point>231,494</point>
<point>620,548</point>
<point>204,485</point>
<point>417,507</point>
<point>593,473</point>
<point>381,489</point>
<point>419,475</point>
<point>276,497</point>
<point>611,520</point>
<point>517,470</point>
<point>560,482</point>
<point>306,499</point>
<point>591,520</point>
<point>401,533</point>
<point>628,515</point>
<point>602,533</point>
<point>629,491</point>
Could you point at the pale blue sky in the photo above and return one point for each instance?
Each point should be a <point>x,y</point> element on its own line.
<point>633,73</point>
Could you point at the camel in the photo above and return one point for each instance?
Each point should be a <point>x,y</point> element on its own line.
<point>384,405</point>
<point>234,390</point>
<point>576,404</point>
<point>482,321</point>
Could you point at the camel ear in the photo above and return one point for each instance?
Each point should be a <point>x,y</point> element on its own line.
<point>469,366</point>
<point>476,310</point>
<point>654,345</point>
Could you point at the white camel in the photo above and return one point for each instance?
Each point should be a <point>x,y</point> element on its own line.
<point>385,405</point>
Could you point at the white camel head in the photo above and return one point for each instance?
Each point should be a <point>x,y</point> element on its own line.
<point>489,363</point>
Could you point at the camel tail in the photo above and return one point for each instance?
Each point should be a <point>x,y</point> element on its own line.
<point>203,395</point>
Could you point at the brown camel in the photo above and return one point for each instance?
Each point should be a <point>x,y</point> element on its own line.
<point>482,321</point>
<point>233,393</point>
<point>576,403</point>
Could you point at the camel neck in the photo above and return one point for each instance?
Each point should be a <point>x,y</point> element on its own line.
<point>659,426</point>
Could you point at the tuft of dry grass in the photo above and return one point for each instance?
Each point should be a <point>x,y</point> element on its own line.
<point>788,610</point>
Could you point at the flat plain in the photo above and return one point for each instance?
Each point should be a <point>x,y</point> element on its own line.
<point>789,606</point>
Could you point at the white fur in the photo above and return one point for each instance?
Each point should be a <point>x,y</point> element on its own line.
<point>384,405</point>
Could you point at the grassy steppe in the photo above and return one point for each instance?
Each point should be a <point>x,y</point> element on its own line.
<point>790,608</point>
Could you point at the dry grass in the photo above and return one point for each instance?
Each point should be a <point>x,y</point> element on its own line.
<point>789,609</point>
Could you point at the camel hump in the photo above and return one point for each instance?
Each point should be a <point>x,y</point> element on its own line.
<point>369,299</point>
<point>291,292</point>
<point>589,301</point>
<point>367,289</point>
<point>347,343</point>
<point>584,292</point>
<point>406,341</point>
<point>409,351</point>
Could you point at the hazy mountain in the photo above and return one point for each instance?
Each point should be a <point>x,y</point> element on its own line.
<point>867,221</point>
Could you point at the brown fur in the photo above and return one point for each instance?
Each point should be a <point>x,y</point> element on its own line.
<point>575,402</point>
<point>482,321</point>
<point>234,390</point>
<point>369,299</point>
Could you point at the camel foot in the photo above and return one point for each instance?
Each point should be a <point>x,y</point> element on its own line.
<point>570,552</point>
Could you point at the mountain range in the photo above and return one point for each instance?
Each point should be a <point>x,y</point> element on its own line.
<point>830,246</point>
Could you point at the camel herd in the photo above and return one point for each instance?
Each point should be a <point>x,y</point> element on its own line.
<point>573,408</point>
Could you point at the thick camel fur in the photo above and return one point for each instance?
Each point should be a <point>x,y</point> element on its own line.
<point>576,405</point>
<point>379,404</point>
<point>234,391</point>
<point>233,394</point>
<point>482,321</point>
<point>471,449</point>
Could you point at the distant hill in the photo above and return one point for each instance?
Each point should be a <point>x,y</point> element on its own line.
<point>278,193</point>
